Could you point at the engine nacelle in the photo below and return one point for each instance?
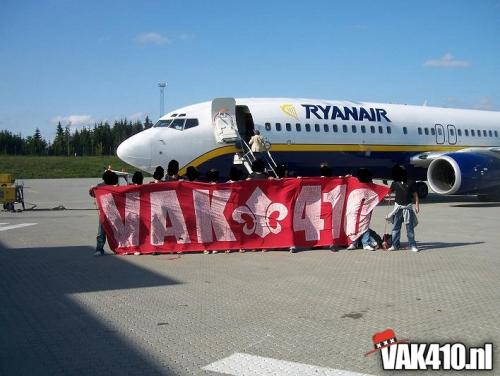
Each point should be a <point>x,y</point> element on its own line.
<point>466,172</point>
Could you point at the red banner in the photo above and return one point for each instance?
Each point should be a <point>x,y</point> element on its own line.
<point>192,216</point>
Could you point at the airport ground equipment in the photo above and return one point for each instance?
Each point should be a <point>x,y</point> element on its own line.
<point>10,192</point>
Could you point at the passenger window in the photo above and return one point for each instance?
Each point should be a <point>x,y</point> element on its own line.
<point>496,133</point>
<point>426,131</point>
<point>490,133</point>
<point>466,132</point>
<point>344,128</point>
<point>478,133</point>
<point>419,131</point>
<point>298,127</point>
<point>268,126</point>
<point>178,124</point>
<point>433,131</point>
<point>459,132</point>
<point>484,133</point>
<point>389,130</point>
<point>288,127</point>
<point>325,127</point>
<point>316,127</point>
<point>452,132</point>
<point>335,128</point>
<point>440,131</point>
<point>308,127</point>
<point>405,130</point>
<point>363,129</point>
<point>372,128</point>
<point>191,123</point>
<point>380,129</point>
<point>354,129</point>
<point>278,127</point>
<point>472,132</point>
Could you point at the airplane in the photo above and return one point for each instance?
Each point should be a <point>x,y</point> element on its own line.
<point>457,151</point>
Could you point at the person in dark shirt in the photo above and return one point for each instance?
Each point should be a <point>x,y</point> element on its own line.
<point>258,170</point>
<point>108,178</point>
<point>405,194</point>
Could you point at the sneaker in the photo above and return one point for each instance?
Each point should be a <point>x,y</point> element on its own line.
<point>227,251</point>
<point>351,247</point>
<point>264,250</point>
<point>98,253</point>
<point>241,251</point>
<point>293,250</point>
<point>333,249</point>
<point>137,253</point>
<point>205,252</point>
<point>414,249</point>
<point>215,252</point>
<point>392,248</point>
<point>368,248</point>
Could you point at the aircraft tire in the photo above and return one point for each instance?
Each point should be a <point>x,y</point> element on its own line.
<point>422,189</point>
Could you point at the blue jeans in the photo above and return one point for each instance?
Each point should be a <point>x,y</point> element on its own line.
<point>101,239</point>
<point>396,229</point>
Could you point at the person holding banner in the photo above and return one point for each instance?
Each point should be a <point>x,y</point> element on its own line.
<point>158,174</point>
<point>109,178</point>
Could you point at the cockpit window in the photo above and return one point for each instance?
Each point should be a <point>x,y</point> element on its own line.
<point>190,123</point>
<point>178,124</point>
<point>162,123</point>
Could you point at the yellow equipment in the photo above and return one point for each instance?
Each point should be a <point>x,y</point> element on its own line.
<point>10,193</point>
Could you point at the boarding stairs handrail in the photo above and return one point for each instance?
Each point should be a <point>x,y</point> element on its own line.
<point>249,157</point>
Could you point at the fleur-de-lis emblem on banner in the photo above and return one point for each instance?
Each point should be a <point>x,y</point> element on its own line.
<point>260,209</point>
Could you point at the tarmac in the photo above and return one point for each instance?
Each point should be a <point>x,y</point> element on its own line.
<point>63,311</point>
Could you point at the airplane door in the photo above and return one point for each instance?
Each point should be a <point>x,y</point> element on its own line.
<point>452,134</point>
<point>440,137</point>
<point>224,120</point>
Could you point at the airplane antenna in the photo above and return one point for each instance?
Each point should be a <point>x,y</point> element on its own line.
<point>162,86</point>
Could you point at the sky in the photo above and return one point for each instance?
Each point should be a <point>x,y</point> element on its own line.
<point>80,62</point>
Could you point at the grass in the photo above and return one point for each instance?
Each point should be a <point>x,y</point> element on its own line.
<point>32,167</point>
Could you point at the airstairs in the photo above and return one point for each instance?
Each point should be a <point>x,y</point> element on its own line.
<point>246,157</point>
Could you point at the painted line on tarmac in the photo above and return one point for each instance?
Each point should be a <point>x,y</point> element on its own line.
<point>11,227</point>
<point>240,364</point>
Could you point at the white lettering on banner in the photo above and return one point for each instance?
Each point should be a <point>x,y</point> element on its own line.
<point>336,198</point>
<point>360,203</point>
<point>307,212</point>
<point>259,209</point>
<point>126,232</point>
<point>210,216</point>
<point>166,205</point>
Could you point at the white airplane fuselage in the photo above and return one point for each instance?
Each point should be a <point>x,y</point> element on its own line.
<point>348,135</point>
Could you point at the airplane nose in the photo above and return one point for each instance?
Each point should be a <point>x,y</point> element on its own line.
<point>136,151</point>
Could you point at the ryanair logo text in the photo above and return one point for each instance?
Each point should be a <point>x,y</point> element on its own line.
<point>328,112</point>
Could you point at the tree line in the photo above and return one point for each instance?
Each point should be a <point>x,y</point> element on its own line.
<point>101,139</point>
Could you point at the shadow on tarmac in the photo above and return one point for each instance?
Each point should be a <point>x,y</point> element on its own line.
<point>43,330</point>
<point>439,245</point>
